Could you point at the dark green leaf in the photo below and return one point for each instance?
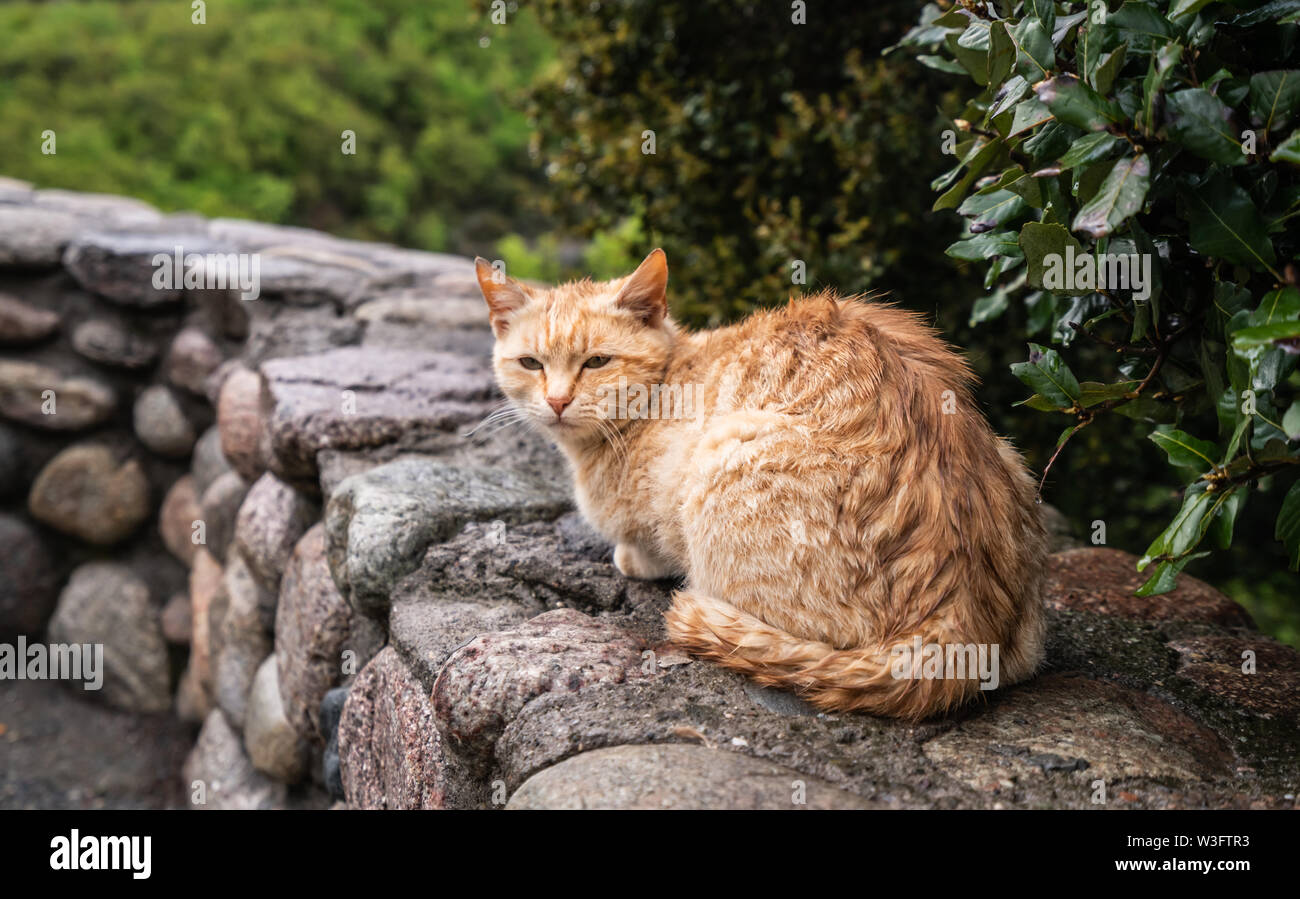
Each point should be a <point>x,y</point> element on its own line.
<point>1120,196</point>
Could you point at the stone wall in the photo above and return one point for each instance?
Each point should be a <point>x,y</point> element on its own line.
<point>390,608</point>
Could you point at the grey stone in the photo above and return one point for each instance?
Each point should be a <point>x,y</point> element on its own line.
<point>273,746</point>
<point>31,237</point>
<point>219,507</point>
<point>244,437</point>
<point>390,753</point>
<point>180,510</point>
<point>271,520</point>
<point>85,491</point>
<point>489,577</point>
<point>191,358</point>
<point>314,627</point>
<point>119,265</point>
<point>178,620</point>
<point>485,683</point>
<point>75,404</point>
<point>1088,729</point>
<point>161,425</point>
<point>244,641</point>
<point>378,524</point>
<point>112,342</point>
<point>278,331</point>
<point>22,323</point>
<point>357,398</point>
<point>103,209</point>
<point>219,771</point>
<point>104,603</point>
<point>675,776</point>
<point>208,462</point>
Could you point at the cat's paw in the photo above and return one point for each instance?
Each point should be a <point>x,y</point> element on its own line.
<point>635,563</point>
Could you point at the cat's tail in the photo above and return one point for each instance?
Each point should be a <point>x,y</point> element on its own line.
<point>834,680</point>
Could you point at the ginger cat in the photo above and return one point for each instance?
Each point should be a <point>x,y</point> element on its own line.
<point>826,484</point>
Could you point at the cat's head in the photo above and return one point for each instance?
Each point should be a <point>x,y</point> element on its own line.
<point>560,351</point>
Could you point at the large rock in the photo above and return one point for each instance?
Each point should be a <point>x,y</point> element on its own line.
<point>219,775</point>
<point>274,747</point>
<point>113,342</point>
<point>487,681</point>
<point>44,397</point>
<point>243,639</point>
<point>219,507</point>
<point>22,323</point>
<point>318,637</point>
<point>1085,729</point>
<point>176,519</point>
<point>191,358</point>
<point>675,776</point>
<point>87,492</point>
<point>489,577</point>
<point>354,398</point>
<point>208,461</point>
<point>104,603</point>
<point>242,423</point>
<point>390,753</point>
<point>271,520</point>
<point>206,582</point>
<point>161,425</point>
<point>32,237</point>
<point>1103,580</point>
<point>177,620</point>
<point>378,524</point>
<point>121,265</point>
<point>28,580</point>
<point>1255,676</point>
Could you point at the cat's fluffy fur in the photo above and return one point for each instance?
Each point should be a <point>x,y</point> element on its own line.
<point>839,495</point>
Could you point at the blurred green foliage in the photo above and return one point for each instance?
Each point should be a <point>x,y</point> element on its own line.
<point>243,115</point>
<point>751,146</point>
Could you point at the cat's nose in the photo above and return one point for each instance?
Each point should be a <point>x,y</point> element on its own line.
<point>559,405</point>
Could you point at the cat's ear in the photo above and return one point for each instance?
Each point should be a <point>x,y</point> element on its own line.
<point>504,296</point>
<point>644,292</point>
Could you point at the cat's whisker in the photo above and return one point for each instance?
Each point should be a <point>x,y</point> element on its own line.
<point>505,410</point>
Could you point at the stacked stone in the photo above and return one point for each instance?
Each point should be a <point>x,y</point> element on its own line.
<point>390,608</point>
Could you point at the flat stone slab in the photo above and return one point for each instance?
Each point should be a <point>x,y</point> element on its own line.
<point>356,398</point>
<point>378,524</point>
<point>120,265</point>
<point>675,776</point>
<point>492,575</point>
<point>1083,729</point>
<point>1102,580</point>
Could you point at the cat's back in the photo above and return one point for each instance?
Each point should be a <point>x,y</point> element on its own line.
<point>825,355</point>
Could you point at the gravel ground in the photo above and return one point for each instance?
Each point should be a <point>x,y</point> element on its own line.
<point>58,751</point>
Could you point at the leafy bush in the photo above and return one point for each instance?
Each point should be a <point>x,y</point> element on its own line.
<point>1154,133</point>
<point>777,147</point>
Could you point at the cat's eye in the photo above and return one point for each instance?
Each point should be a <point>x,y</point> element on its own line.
<point>530,363</point>
<point>596,362</point>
